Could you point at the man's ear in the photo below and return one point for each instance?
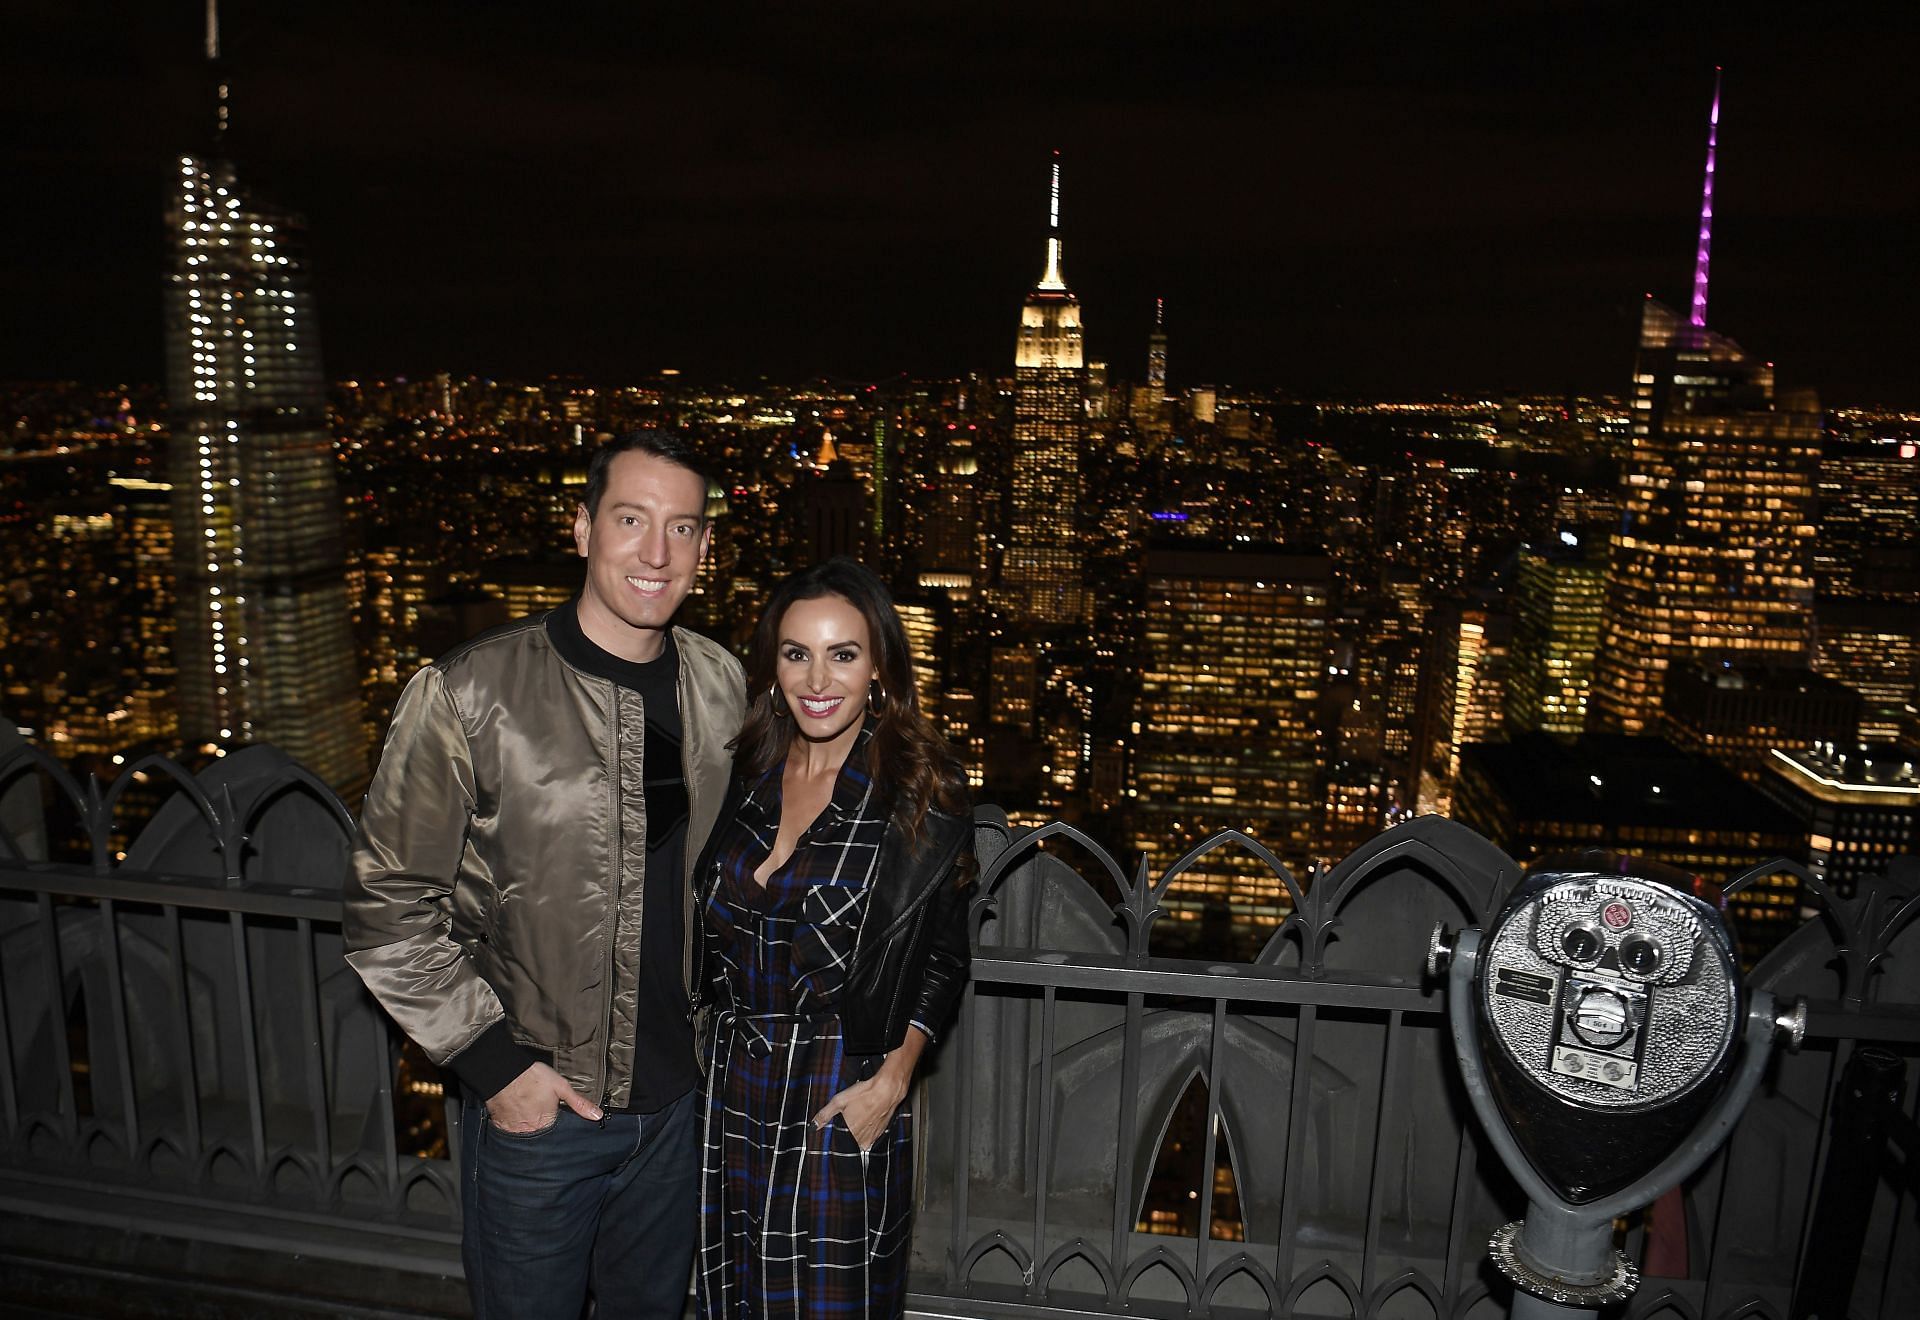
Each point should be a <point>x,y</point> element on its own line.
<point>582,530</point>
<point>706,542</point>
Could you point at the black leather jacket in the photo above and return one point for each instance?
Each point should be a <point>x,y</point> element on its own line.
<point>911,956</point>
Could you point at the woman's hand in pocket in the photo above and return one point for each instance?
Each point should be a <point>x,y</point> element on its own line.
<point>865,1107</point>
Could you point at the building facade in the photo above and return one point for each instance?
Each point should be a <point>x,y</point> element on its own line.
<point>1873,646</point>
<point>263,635</point>
<point>1538,796</point>
<point>1235,648</point>
<point>1558,592</point>
<point>1860,804</point>
<point>1869,506</point>
<point>1464,667</point>
<point>1713,559</point>
<point>1739,714</point>
<point>1043,573</point>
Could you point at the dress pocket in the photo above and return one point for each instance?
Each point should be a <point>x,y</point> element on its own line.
<point>825,933</point>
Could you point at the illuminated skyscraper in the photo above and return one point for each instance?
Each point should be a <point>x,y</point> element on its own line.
<point>1463,692</point>
<point>1235,650</point>
<point>1713,558</point>
<point>1557,594</point>
<point>143,513</point>
<point>1869,506</point>
<point>879,495</point>
<point>1867,565</point>
<point>1042,578</point>
<point>262,637</point>
<point>1860,804</point>
<point>1874,648</point>
<point>1157,350</point>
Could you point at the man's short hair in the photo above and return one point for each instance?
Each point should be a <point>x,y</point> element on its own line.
<point>668,445</point>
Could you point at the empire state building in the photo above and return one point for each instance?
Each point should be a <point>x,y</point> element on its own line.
<point>1041,576</point>
<point>263,633</point>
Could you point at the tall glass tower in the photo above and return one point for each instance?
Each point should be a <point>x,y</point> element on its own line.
<point>1042,578</point>
<point>262,635</point>
<point>1558,592</point>
<point>1714,556</point>
<point>1157,349</point>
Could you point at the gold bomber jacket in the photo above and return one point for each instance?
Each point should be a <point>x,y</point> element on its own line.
<point>497,873</point>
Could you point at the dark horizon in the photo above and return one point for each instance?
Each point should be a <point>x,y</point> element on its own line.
<point>1458,204</point>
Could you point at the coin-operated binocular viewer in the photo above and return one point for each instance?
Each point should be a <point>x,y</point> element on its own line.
<point>1607,1047</point>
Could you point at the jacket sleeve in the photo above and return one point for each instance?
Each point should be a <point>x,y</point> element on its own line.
<point>398,898</point>
<point>949,952</point>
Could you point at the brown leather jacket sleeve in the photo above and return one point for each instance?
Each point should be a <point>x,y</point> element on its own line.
<point>399,894</point>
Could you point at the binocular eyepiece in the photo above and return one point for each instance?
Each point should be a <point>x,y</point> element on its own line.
<point>1599,1028</point>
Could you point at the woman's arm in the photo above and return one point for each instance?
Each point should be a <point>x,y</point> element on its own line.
<point>866,1107</point>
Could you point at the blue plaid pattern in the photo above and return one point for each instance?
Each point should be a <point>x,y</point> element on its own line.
<point>794,1222</point>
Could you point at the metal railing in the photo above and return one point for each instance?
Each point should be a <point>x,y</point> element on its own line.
<point>1362,1184</point>
<point>183,1048</point>
<point>182,1045</point>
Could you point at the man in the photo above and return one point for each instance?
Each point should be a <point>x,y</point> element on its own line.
<point>521,902</point>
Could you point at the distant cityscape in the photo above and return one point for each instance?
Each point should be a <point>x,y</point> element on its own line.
<point>1682,622</point>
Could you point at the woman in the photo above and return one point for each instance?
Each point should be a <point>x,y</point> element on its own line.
<point>834,894</point>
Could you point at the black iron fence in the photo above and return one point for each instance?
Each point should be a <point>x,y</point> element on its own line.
<point>1111,1127</point>
<point>182,1046</point>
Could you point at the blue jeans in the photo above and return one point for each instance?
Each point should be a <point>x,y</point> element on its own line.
<point>607,1208</point>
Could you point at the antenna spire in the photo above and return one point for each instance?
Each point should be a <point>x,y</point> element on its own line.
<point>217,72</point>
<point>1701,254</point>
<point>1051,279</point>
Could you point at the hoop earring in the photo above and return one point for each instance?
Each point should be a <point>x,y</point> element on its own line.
<point>877,707</point>
<point>779,706</point>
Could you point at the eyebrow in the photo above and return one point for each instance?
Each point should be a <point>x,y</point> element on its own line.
<point>830,646</point>
<point>641,508</point>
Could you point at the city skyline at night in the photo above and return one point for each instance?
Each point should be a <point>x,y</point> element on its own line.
<point>1336,470</point>
<point>1142,598</point>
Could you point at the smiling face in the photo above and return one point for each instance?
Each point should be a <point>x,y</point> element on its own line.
<point>643,546</point>
<point>824,667</point>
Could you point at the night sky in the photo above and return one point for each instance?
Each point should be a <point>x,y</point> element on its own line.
<point>1357,198</point>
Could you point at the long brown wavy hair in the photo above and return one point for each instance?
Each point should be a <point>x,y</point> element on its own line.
<point>906,757</point>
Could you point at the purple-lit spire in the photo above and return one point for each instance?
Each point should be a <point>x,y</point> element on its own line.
<point>1701,255</point>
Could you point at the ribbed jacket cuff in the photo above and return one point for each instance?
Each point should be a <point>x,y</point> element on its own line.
<point>494,1060</point>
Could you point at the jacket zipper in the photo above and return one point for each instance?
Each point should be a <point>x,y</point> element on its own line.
<point>611,938</point>
<point>681,684</point>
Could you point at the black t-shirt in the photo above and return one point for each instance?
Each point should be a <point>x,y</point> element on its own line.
<point>663,1063</point>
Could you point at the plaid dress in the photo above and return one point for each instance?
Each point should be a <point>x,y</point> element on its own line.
<point>795,1222</point>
